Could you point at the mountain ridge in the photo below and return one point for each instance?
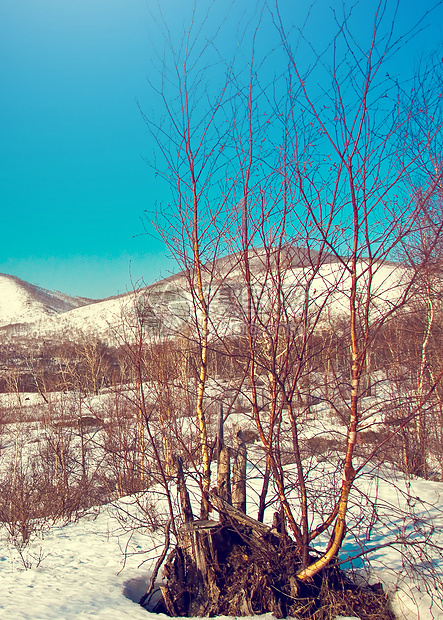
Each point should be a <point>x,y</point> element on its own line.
<point>29,310</point>
<point>23,302</point>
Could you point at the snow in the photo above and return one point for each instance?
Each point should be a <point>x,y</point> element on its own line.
<point>81,574</point>
<point>98,567</point>
<point>409,507</point>
<point>21,302</point>
<point>49,314</point>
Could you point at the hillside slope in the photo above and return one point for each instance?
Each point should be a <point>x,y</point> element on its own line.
<point>21,302</point>
<point>167,305</point>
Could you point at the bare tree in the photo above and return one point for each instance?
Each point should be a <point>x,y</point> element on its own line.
<point>193,228</point>
<point>317,189</point>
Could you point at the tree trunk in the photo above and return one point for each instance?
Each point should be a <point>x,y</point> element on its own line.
<point>224,474</point>
<point>239,474</point>
<point>185,501</point>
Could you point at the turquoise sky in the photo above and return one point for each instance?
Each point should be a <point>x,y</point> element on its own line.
<point>73,182</point>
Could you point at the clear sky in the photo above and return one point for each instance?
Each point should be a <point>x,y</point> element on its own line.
<point>73,181</point>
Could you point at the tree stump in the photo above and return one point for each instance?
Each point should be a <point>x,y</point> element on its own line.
<point>234,569</point>
<point>191,588</point>
<point>239,566</point>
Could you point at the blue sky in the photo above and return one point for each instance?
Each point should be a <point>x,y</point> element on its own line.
<point>73,181</point>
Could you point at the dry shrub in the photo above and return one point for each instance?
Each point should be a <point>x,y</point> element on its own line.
<point>321,445</point>
<point>30,504</point>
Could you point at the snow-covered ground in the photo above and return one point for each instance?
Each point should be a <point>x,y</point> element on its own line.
<point>100,566</point>
<point>80,574</point>
<point>97,567</point>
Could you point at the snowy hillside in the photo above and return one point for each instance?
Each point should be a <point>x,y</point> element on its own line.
<point>21,302</point>
<point>168,303</point>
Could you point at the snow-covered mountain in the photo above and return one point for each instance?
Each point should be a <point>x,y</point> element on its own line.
<point>32,311</point>
<point>21,302</point>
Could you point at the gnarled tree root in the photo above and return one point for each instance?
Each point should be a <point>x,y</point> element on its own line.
<point>222,569</point>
